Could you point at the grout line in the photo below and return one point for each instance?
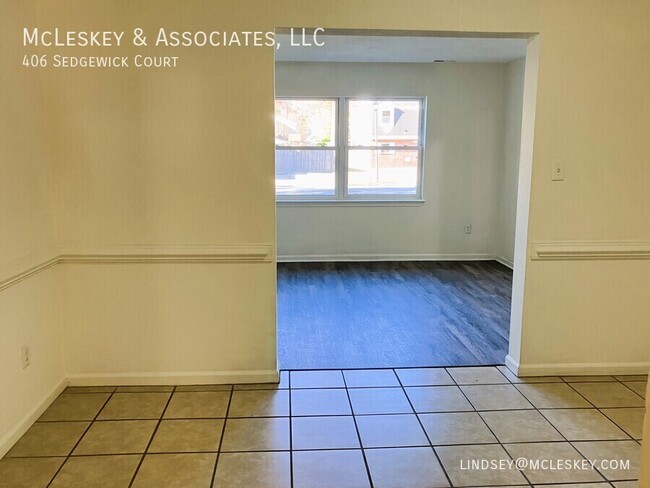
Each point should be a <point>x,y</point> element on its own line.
<point>223,433</point>
<point>356,426</point>
<point>80,438</point>
<point>153,435</point>
<point>426,434</point>
<point>290,428</point>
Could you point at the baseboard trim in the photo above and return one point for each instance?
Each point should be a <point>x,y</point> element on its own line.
<point>506,262</point>
<point>10,438</point>
<point>175,378</point>
<point>308,258</point>
<point>580,369</point>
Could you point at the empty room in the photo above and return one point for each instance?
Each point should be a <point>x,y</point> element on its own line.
<point>396,180</point>
<point>324,244</point>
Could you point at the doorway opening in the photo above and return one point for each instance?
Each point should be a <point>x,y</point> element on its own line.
<point>402,185</point>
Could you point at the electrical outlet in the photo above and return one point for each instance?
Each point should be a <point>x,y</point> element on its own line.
<point>468,229</point>
<point>558,171</point>
<point>25,355</point>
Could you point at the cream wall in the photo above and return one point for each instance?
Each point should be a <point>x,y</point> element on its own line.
<point>186,157</point>
<point>29,307</point>
<point>462,171</point>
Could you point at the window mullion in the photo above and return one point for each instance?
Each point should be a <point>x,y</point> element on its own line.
<point>342,175</point>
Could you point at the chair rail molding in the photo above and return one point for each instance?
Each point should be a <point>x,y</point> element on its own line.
<point>22,268</point>
<point>240,253</point>
<point>583,250</point>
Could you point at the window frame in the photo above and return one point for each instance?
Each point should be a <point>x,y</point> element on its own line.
<point>341,150</point>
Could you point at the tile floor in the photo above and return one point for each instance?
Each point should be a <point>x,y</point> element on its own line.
<point>404,428</point>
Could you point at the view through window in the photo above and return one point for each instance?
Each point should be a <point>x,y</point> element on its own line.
<point>347,148</point>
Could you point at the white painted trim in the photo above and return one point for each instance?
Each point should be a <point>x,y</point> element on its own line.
<point>506,262</point>
<point>171,254</point>
<point>512,365</point>
<point>14,272</point>
<point>574,250</point>
<point>383,257</point>
<point>18,270</point>
<point>576,369</point>
<point>10,438</point>
<point>175,378</point>
<point>529,108</point>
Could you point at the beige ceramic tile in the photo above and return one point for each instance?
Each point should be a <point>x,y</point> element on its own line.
<point>588,379</point>
<point>75,407</point>
<point>261,434</point>
<point>175,471</point>
<point>613,450</point>
<point>628,419</point>
<point>632,377</point>
<point>253,469</point>
<point>456,428</point>
<point>552,396</point>
<point>28,472</point>
<point>97,472</point>
<point>482,375</point>
<point>204,388</point>
<point>456,461</point>
<point>391,431</point>
<point>328,469</point>
<point>196,435</point>
<point>370,378</point>
<point>604,395</point>
<point>576,485</point>
<point>259,403</point>
<point>116,437</point>
<point>320,402</point>
<point>424,377</point>
<point>495,397</point>
<point>639,387</point>
<point>431,399</point>
<point>199,404</point>
<point>528,379</point>
<point>625,484</point>
<point>134,406</point>
<point>144,389</point>
<point>551,452</point>
<point>379,400</point>
<point>282,385</point>
<point>89,389</point>
<point>317,379</point>
<point>324,433</point>
<point>49,439</point>
<point>405,468</point>
<point>521,426</point>
<point>583,424</point>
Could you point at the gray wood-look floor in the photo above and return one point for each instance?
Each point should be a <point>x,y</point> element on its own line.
<point>392,314</point>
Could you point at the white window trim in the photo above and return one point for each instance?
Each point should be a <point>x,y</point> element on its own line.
<point>341,148</point>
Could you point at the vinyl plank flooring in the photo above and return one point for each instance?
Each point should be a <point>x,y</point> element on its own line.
<point>392,314</point>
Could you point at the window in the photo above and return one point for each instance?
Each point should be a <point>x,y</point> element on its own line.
<point>341,149</point>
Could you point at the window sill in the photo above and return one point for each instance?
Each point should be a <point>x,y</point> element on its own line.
<point>350,203</point>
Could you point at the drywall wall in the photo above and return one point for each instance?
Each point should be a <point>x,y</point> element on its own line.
<point>185,157</point>
<point>463,158</point>
<point>509,168</point>
<point>29,305</point>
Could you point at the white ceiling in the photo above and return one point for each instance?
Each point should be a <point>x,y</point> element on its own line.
<point>398,49</point>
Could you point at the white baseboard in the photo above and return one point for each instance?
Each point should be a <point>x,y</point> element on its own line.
<point>579,369</point>
<point>8,440</point>
<point>506,262</point>
<point>305,258</point>
<point>175,378</point>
